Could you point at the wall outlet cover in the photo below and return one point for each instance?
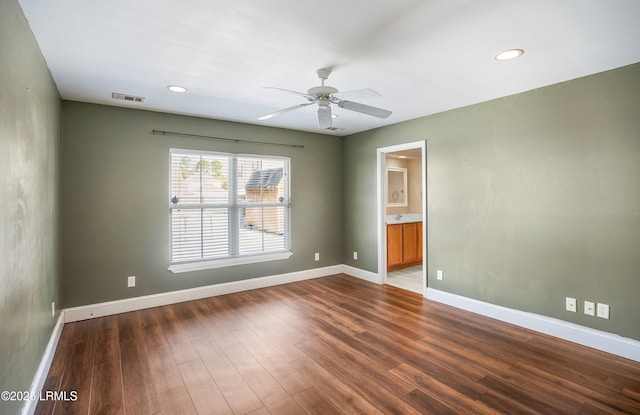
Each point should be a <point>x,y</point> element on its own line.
<point>131,281</point>
<point>439,274</point>
<point>571,305</point>
<point>355,255</point>
<point>317,256</point>
<point>603,310</point>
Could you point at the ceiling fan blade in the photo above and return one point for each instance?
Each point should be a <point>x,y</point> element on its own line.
<point>357,94</point>
<point>365,109</point>
<point>273,114</point>
<point>302,94</point>
<point>324,116</point>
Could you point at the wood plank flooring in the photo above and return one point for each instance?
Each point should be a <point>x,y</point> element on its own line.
<point>334,345</point>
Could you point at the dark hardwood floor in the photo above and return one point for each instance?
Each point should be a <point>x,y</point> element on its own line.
<point>334,345</point>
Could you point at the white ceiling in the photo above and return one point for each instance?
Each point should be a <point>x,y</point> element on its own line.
<point>423,57</point>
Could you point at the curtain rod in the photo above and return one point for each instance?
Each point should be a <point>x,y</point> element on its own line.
<point>210,137</point>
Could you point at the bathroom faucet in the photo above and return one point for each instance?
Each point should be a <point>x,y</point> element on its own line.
<point>399,216</point>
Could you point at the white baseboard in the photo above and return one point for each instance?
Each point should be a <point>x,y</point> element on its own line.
<point>43,368</point>
<point>362,274</point>
<point>597,339</point>
<point>155,300</point>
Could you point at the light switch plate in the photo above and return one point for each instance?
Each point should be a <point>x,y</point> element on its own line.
<point>589,308</point>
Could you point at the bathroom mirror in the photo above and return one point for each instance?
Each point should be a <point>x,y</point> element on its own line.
<point>396,186</point>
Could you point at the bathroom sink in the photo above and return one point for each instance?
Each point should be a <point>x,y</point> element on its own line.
<point>404,218</point>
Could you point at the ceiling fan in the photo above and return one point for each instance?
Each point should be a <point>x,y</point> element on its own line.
<point>325,95</point>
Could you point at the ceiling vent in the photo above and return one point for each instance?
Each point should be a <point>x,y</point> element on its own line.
<point>334,128</point>
<point>125,97</point>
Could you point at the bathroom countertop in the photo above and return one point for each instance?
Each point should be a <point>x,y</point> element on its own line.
<point>406,218</point>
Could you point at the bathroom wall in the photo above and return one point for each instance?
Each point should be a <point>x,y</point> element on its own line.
<point>416,190</point>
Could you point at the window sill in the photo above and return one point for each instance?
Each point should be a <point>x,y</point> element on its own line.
<point>228,262</point>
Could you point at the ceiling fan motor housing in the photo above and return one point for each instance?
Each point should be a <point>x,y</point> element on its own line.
<point>321,92</point>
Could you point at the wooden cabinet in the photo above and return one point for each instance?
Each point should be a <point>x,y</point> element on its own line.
<point>420,242</point>
<point>410,242</point>
<point>404,245</point>
<point>394,246</point>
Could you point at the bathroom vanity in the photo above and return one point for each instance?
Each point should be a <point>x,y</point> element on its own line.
<point>404,244</point>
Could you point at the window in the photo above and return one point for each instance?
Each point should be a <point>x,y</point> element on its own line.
<point>228,209</point>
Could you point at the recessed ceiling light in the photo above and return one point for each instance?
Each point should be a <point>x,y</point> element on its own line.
<point>177,88</point>
<point>509,54</point>
<point>402,157</point>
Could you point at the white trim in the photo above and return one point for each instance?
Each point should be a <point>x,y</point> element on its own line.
<point>156,300</point>
<point>596,339</point>
<point>362,274</point>
<point>43,368</point>
<point>381,197</point>
<point>227,262</point>
<point>381,172</point>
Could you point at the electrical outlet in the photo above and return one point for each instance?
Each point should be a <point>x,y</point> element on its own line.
<point>131,281</point>
<point>317,257</point>
<point>53,309</point>
<point>439,274</point>
<point>355,255</point>
<point>570,304</point>
<point>589,308</point>
<point>603,310</point>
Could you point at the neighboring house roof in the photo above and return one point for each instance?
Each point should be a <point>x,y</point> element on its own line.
<point>264,179</point>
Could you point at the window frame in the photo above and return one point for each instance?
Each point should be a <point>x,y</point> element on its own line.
<point>234,206</point>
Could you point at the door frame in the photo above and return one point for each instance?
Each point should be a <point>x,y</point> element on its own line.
<point>381,208</point>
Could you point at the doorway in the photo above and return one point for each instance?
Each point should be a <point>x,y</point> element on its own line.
<point>412,211</point>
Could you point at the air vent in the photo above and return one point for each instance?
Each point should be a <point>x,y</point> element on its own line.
<point>334,129</point>
<point>125,97</point>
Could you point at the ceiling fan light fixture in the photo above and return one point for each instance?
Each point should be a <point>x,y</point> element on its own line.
<point>177,88</point>
<point>324,114</point>
<point>509,54</point>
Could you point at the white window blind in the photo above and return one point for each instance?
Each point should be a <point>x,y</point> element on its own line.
<point>228,206</point>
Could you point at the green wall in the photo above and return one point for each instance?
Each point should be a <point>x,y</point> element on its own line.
<point>115,198</point>
<point>531,198</point>
<point>29,206</point>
